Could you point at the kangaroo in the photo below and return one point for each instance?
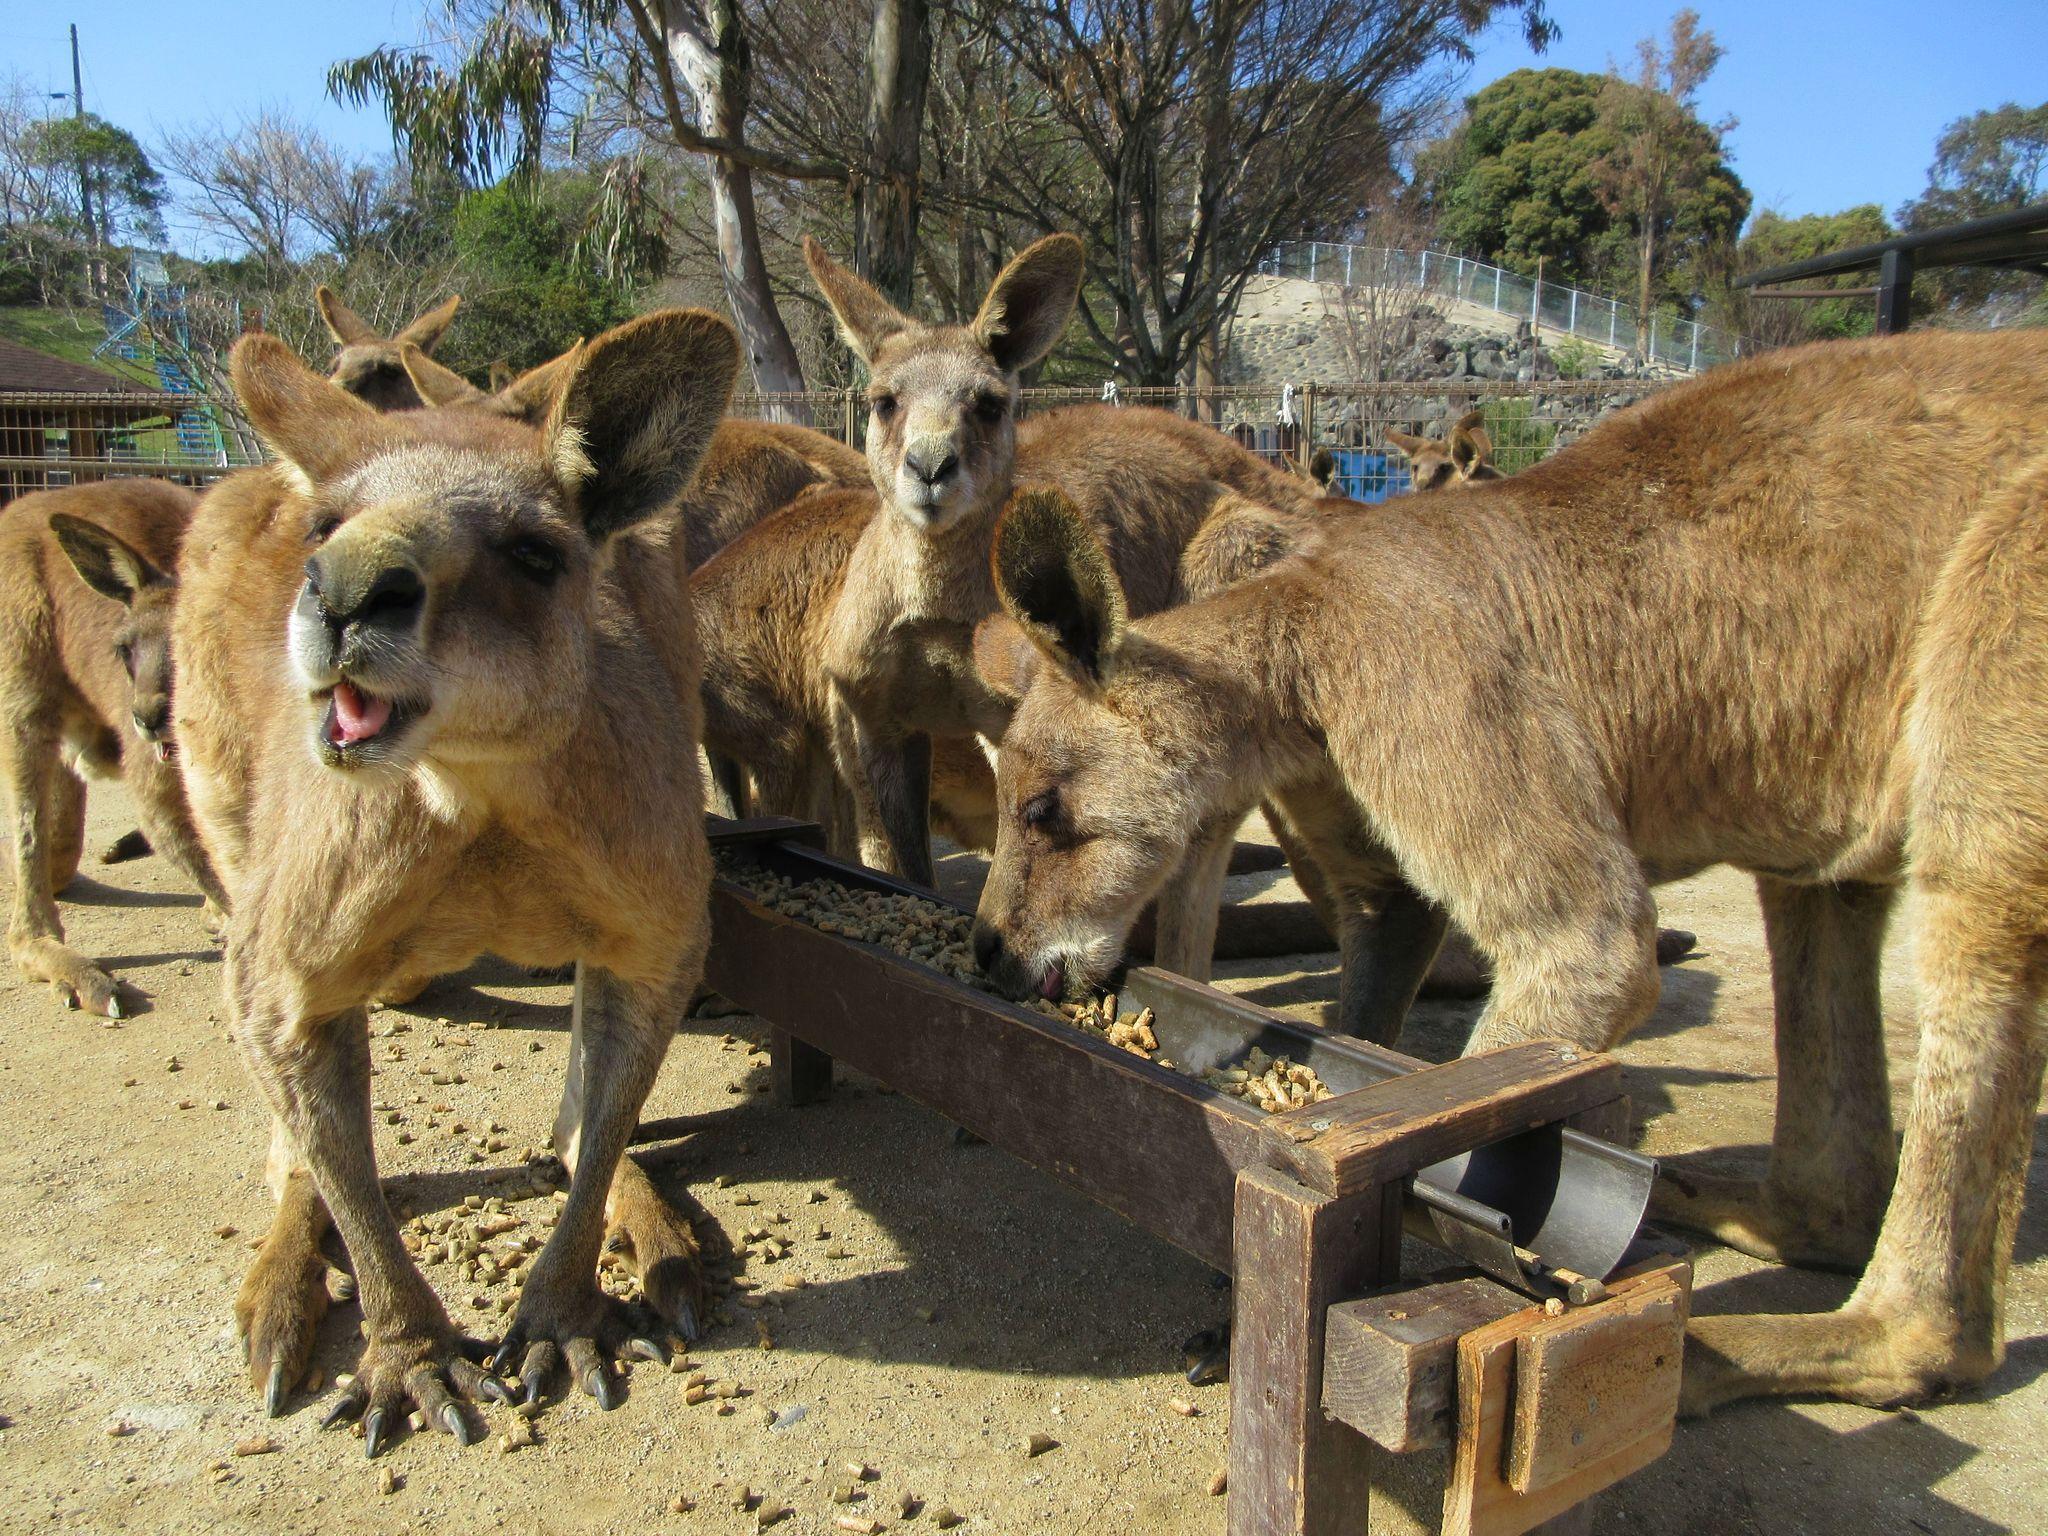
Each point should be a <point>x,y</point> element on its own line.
<point>369,365</point>
<point>764,607</point>
<point>1466,454</point>
<point>86,589</point>
<point>459,655</point>
<point>944,448</point>
<point>1715,629</point>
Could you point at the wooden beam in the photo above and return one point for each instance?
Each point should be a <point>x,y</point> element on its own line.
<point>1294,1470</point>
<point>1390,1362</point>
<point>1393,1129</point>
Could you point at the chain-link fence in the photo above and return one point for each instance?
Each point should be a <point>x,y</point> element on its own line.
<point>1525,422</point>
<point>1555,307</point>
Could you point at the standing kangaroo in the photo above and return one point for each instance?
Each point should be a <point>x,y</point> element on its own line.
<point>944,449</point>
<point>86,591</point>
<point>440,683</point>
<point>1719,628</point>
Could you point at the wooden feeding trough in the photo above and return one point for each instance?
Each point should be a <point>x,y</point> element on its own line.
<point>1548,1374</point>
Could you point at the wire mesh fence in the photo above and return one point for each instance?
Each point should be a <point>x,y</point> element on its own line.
<point>48,441</point>
<point>1556,307</point>
<point>1525,421</point>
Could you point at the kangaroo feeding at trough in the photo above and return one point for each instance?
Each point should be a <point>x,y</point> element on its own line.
<point>87,583</point>
<point>449,705</point>
<point>1720,628</point>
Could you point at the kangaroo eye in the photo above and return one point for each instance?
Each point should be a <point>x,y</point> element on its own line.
<point>1041,810</point>
<point>536,557</point>
<point>127,655</point>
<point>884,406</point>
<point>991,409</point>
<point>323,529</point>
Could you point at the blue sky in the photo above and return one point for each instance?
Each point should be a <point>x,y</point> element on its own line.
<point>1839,102</point>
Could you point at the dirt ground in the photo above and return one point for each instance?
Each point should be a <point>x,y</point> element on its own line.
<point>976,1302</point>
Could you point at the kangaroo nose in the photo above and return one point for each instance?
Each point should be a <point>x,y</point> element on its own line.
<point>390,599</point>
<point>987,944</point>
<point>152,719</point>
<point>929,467</point>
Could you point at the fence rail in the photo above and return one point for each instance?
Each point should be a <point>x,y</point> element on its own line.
<point>1593,317</point>
<point>58,440</point>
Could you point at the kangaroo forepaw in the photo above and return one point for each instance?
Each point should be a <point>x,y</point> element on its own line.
<point>129,845</point>
<point>436,1375</point>
<point>1764,1219</point>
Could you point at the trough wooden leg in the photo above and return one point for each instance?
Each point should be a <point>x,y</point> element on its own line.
<point>1294,1470</point>
<point>802,1074</point>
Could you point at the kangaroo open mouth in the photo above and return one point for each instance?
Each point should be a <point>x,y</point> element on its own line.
<point>358,722</point>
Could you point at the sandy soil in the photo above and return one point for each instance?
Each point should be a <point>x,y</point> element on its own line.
<point>977,1302</point>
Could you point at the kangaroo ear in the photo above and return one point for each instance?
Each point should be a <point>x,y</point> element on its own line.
<point>501,374</point>
<point>106,564</point>
<point>315,426</point>
<point>1030,302</point>
<point>346,326</point>
<point>1471,448</point>
<point>437,385</point>
<point>1407,442</point>
<point>531,395</point>
<point>1005,657</point>
<point>427,331</point>
<point>1322,467</point>
<point>866,319</point>
<point>637,412</point>
<point>1055,580</point>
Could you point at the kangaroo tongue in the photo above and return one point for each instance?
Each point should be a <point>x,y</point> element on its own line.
<point>357,715</point>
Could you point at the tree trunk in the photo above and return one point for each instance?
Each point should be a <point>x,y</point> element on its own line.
<point>1649,264</point>
<point>885,202</point>
<point>712,60</point>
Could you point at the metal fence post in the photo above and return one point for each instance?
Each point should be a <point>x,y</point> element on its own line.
<point>1424,281</point>
<point>1613,319</point>
<point>1496,289</point>
<point>848,415</point>
<point>1572,324</point>
<point>1694,364</point>
<point>1305,449</point>
<point>1312,259</point>
<point>1347,265</point>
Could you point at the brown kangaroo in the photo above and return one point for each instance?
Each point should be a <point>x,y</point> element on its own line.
<point>86,591</point>
<point>944,448</point>
<point>369,365</point>
<point>451,704</point>
<point>764,606</point>
<point>1466,454</point>
<point>1718,628</point>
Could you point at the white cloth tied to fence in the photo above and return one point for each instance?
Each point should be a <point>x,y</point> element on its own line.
<point>1285,415</point>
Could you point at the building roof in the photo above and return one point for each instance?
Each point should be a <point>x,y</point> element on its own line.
<point>27,370</point>
<point>2018,240</point>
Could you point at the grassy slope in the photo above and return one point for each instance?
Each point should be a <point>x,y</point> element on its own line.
<point>69,334</point>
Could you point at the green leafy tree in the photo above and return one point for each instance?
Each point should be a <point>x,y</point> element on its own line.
<point>528,288</point>
<point>1774,240</point>
<point>1986,163</point>
<point>1662,174</point>
<point>1529,174</point>
<point>126,193</point>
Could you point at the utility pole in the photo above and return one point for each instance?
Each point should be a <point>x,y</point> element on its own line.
<point>78,116</point>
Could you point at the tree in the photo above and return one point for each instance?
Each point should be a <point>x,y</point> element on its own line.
<point>527,294</point>
<point>68,186</point>
<point>1774,240</point>
<point>1525,177</point>
<point>1663,164</point>
<point>1990,162</point>
<point>1181,141</point>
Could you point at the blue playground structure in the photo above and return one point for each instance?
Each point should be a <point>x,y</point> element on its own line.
<point>153,332</point>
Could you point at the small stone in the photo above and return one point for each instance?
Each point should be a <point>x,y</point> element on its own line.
<point>857,1523</point>
<point>944,1518</point>
<point>843,1493</point>
<point>223,1233</point>
<point>1553,1306</point>
<point>387,1481</point>
<point>256,1445</point>
<point>120,1429</point>
<point>1039,1444</point>
<point>1219,1485</point>
<point>681,1504</point>
<point>1183,1407</point>
<point>770,1512</point>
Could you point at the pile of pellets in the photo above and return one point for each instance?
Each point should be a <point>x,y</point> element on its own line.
<point>940,938</point>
